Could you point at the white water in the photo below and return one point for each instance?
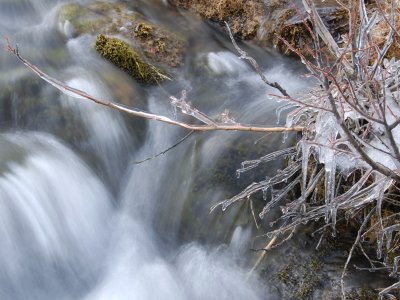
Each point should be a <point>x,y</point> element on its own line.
<point>69,230</point>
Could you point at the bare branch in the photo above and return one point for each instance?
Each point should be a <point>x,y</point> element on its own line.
<point>254,64</point>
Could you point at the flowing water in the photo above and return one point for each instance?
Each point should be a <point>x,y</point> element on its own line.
<point>79,219</point>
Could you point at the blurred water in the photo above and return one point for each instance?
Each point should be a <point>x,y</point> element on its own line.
<point>80,220</point>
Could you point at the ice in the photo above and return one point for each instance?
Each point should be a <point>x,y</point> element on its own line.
<point>330,171</point>
<point>187,109</point>
<point>281,176</point>
<point>279,111</point>
<point>395,266</point>
<point>251,164</point>
<point>226,118</point>
<point>305,149</point>
<point>333,219</point>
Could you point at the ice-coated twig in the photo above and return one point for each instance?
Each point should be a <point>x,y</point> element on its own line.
<point>79,94</point>
<point>251,164</point>
<point>282,193</point>
<point>281,176</point>
<point>385,292</point>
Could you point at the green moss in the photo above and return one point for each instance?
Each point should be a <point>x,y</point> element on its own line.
<point>127,59</point>
<point>301,280</point>
<point>284,274</point>
<point>160,46</point>
<point>363,293</point>
<point>143,30</point>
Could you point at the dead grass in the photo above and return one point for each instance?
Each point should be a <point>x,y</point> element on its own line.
<point>243,16</point>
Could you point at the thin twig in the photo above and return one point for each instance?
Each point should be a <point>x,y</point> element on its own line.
<point>166,150</point>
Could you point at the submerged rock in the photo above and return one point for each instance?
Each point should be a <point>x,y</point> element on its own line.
<point>127,59</point>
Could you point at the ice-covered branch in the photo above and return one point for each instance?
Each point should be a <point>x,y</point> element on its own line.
<point>347,161</point>
<point>210,125</point>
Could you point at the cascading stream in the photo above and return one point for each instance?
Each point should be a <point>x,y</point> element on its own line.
<point>79,220</point>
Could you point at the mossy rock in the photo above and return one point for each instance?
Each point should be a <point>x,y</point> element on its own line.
<point>127,59</point>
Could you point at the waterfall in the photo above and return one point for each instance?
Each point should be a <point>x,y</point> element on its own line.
<point>79,219</point>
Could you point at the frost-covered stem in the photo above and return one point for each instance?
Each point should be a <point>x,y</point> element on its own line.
<point>302,103</point>
<point>360,230</point>
<point>388,289</point>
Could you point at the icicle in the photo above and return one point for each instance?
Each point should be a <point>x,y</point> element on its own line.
<point>264,192</point>
<point>333,218</point>
<point>305,149</point>
<point>330,171</point>
<point>279,111</point>
<point>379,244</point>
<point>238,174</point>
<point>285,136</point>
<point>395,266</point>
<point>175,112</point>
<point>314,196</point>
<point>389,237</point>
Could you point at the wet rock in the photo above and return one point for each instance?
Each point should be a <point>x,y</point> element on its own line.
<point>24,107</point>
